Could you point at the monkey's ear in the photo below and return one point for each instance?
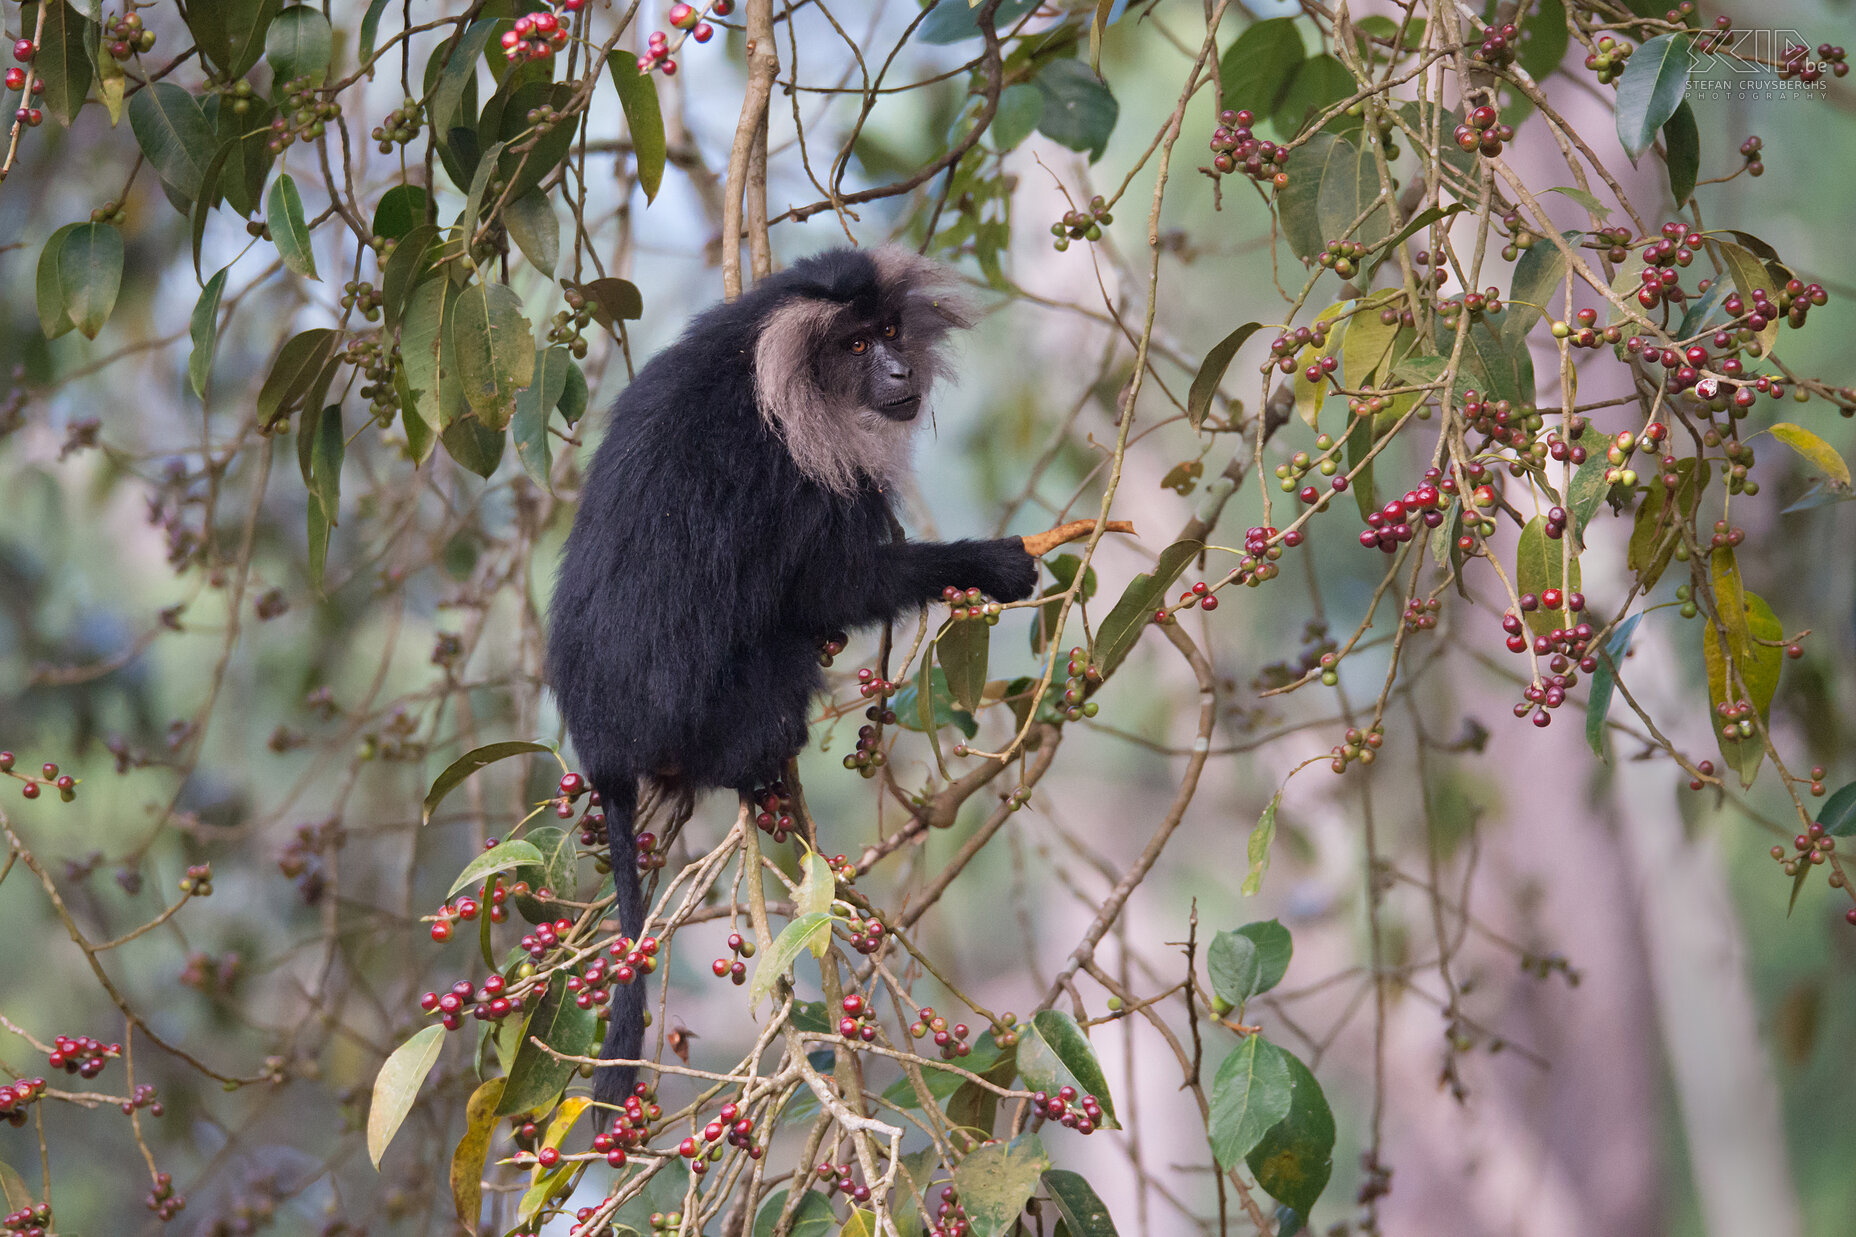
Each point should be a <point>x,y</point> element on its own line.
<point>929,288</point>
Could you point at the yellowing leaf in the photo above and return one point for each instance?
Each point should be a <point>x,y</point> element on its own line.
<point>397,1086</point>
<point>1813,448</point>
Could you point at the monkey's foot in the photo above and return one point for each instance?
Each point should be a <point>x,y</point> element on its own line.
<point>1037,545</point>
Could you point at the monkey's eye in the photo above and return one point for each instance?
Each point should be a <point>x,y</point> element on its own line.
<point>891,331</point>
<point>860,345</point>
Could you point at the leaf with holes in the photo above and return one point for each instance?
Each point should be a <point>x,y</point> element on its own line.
<point>495,351</point>
<point>1604,683</point>
<point>1650,89</point>
<point>1211,372</point>
<point>1541,564</point>
<point>794,939</point>
<point>997,1180</point>
<point>1145,594</point>
<point>477,758</point>
<point>1250,1097</point>
<point>1814,449</point>
<point>1255,71</point>
<point>1053,1053</point>
<point>1257,849</point>
<point>397,1086</point>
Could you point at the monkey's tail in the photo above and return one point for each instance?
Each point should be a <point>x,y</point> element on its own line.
<point>625,1028</point>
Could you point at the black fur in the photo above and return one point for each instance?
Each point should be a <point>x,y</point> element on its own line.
<point>704,567</point>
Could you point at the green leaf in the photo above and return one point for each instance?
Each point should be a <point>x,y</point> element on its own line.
<point>204,330</point>
<point>1079,111</point>
<point>326,463</point>
<point>816,890</point>
<point>1544,39</point>
<point>1255,71</point>
<point>1349,184</point>
<point>1838,815</point>
<point>536,1077</point>
<point>318,544</point>
<point>997,1180</point>
<point>397,1086</point>
<point>535,229</point>
<point>1814,449</point>
<point>299,43</point>
<point>1539,275</point>
<point>61,63</point>
<point>1583,198</point>
<point>90,274</point>
<point>1503,370</point>
<point>1053,1053</point>
<point>1249,960</point>
<point>1021,106</point>
<point>612,299</point>
<point>574,395</point>
<point>1604,682</point>
<point>1257,849</point>
<point>1650,90</point>
<point>1083,1211</point>
<point>534,403</point>
<point>405,266</point>
<point>1296,203</point>
<point>1211,372</point>
<point>13,1188</point>
<point>370,34</point>
<point>940,709</point>
<point>1296,1157</point>
<point>1540,564</point>
<point>1062,568</point>
<point>459,72</point>
<point>794,939</point>
<point>499,858</point>
<point>1319,83</point>
<point>954,20</point>
<point>400,210</point>
<point>643,118</point>
<point>172,132</point>
<point>478,448</point>
<point>1682,151</point>
<point>54,316</point>
<point>1588,487</point>
<point>813,1218</point>
<point>555,872</point>
<point>1753,632</point>
<point>283,211</point>
<point>1135,609</point>
<point>458,770</point>
<point>231,32</point>
<point>962,650</point>
<point>1653,536</point>
<point>1366,344</point>
<point>427,355</point>
<point>495,351</point>
<point>1250,1097</point>
<point>1417,223</point>
<point>297,371</point>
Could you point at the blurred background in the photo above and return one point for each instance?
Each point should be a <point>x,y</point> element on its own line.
<point>1629,1034</point>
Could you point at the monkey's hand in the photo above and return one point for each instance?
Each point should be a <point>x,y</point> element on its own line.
<point>1039,544</point>
<point>1004,569</point>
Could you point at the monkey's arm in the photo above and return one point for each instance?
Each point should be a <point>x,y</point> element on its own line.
<point>896,577</point>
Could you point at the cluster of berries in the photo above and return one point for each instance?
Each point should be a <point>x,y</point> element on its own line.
<point>1391,526</point>
<point>537,35</point>
<point>1082,1115</point>
<point>1236,149</point>
<point>1082,225</point>
<point>950,1038</point>
<point>82,1055</point>
<point>1483,133</point>
<point>487,1003</point>
<point>734,968</point>
<point>15,1097</point>
<point>858,1021</point>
